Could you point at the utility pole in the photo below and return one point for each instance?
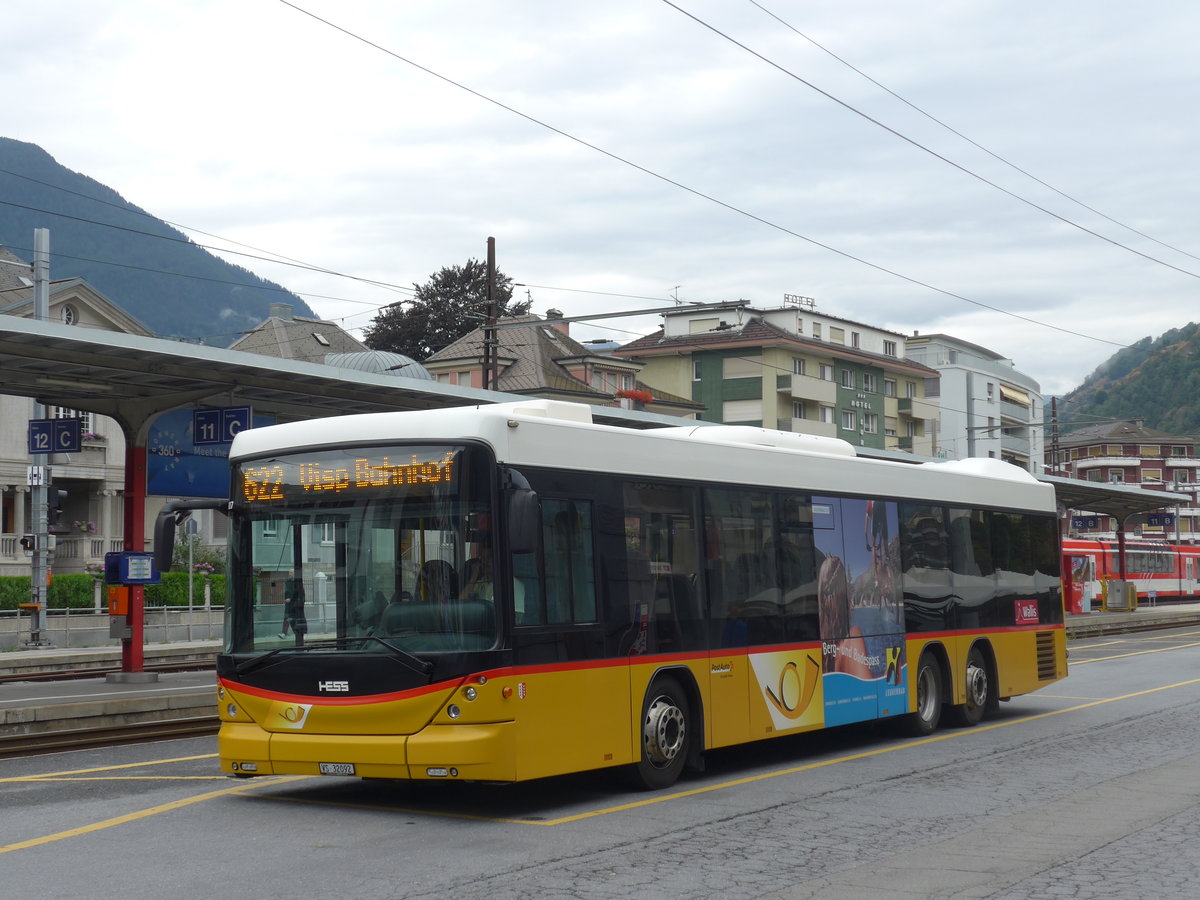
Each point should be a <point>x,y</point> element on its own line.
<point>40,493</point>
<point>489,326</point>
<point>1054,435</point>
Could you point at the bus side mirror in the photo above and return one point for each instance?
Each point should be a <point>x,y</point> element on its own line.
<point>524,515</point>
<point>172,514</point>
<point>164,538</point>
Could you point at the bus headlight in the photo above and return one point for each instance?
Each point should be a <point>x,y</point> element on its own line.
<point>453,711</point>
<point>470,693</point>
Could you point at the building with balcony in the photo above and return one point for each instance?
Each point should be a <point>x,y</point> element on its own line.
<point>792,368</point>
<point>91,522</point>
<point>988,408</point>
<point>1127,452</point>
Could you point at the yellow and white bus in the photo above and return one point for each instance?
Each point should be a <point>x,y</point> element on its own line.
<point>509,592</point>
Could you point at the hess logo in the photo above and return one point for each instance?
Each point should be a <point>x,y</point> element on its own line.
<point>333,687</point>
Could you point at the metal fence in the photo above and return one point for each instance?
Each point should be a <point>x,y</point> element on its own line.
<point>79,628</point>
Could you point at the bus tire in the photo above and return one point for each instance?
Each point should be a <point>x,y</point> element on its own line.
<point>664,734</point>
<point>979,691</point>
<point>924,721</point>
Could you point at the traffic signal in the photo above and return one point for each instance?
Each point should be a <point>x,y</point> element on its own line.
<point>28,542</point>
<point>58,499</point>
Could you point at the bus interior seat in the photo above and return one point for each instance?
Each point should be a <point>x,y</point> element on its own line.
<point>462,624</point>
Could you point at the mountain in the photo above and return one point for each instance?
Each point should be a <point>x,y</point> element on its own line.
<point>145,266</point>
<point>1156,380</point>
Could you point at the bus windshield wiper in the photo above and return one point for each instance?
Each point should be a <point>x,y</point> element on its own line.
<point>416,664</point>
<point>257,662</point>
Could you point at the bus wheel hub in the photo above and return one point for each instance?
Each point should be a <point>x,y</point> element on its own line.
<point>663,732</point>
<point>976,686</point>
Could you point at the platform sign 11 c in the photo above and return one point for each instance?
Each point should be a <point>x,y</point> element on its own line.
<point>219,425</point>
<point>55,435</point>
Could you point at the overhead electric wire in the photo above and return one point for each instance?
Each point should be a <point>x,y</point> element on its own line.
<point>257,287</point>
<point>701,194</point>
<point>185,240</point>
<point>969,140</point>
<point>276,257</point>
<point>920,146</point>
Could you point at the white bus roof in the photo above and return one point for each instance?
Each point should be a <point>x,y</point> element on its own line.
<point>555,434</point>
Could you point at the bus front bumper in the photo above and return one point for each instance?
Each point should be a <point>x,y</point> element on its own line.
<point>478,752</point>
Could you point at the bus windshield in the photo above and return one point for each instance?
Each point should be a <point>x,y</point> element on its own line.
<point>390,543</point>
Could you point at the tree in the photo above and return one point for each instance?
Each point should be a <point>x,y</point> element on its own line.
<point>452,303</point>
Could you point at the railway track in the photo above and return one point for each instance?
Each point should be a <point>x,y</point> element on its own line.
<point>101,671</point>
<point>107,736</point>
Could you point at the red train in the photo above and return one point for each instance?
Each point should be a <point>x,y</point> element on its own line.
<point>1160,571</point>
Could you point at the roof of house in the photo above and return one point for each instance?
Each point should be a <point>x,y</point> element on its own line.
<point>16,297</point>
<point>532,356</point>
<point>1126,430</point>
<point>757,333</point>
<point>297,337</point>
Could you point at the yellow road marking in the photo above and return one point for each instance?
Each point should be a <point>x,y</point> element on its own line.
<point>145,813</point>
<point>750,779</point>
<point>562,820</point>
<point>137,765</point>
<point>44,779</point>
<point>1084,662</point>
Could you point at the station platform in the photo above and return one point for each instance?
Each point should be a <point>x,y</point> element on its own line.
<point>57,706</point>
<point>31,707</point>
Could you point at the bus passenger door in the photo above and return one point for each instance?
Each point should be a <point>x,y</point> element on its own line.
<point>764,663</point>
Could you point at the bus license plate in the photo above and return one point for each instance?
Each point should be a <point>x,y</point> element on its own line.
<point>336,768</point>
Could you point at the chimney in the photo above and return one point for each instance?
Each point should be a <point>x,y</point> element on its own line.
<point>560,327</point>
<point>280,311</point>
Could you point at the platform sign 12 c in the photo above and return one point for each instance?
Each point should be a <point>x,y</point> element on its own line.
<point>219,425</point>
<point>55,435</point>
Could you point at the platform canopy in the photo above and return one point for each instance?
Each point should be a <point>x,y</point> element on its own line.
<point>1117,500</point>
<point>133,378</point>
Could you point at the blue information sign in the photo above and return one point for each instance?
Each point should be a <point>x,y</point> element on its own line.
<point>179,466</point>
<point>130,567</point>
<point>55,436</point>
<point>219,425</point>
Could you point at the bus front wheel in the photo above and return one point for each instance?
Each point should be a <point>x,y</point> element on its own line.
<point>664,734</point>
<point>979,690</point>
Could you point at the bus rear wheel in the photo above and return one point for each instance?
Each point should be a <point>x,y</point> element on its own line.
<point>664,734</point>
<point>924,721</point>
<point>979,691</point>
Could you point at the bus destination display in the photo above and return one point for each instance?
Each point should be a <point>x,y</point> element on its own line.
<point>272,482</point>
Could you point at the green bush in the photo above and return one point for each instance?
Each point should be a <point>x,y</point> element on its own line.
<point>66,591</point>
<point>72,592</point>
<point>173,590</point>
<point>76,591</point>
<point>14,589</point>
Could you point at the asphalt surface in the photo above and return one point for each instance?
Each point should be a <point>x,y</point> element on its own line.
<point>32,707</point>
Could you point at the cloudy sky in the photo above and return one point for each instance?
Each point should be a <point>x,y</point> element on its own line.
<point>632,153</point>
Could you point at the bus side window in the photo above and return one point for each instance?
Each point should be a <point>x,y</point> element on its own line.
<point>569,560</point>
<point>745,602</point>
<point>527,595</point>
<point>925,562</point>
<point>661,524</point>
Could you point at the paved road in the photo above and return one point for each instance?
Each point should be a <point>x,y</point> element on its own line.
<point>1089,789</point>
